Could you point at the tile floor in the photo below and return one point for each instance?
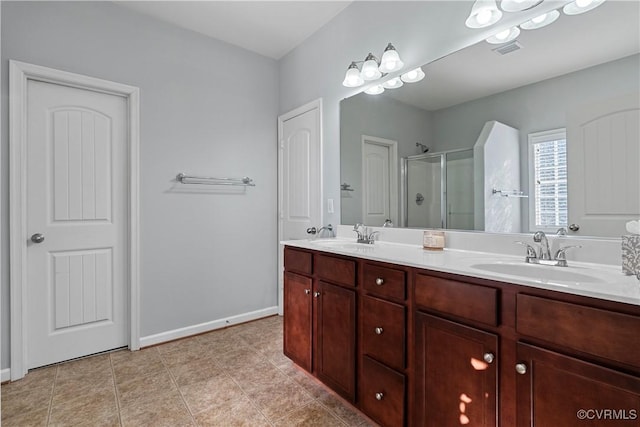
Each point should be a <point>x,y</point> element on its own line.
<point>232,377</point>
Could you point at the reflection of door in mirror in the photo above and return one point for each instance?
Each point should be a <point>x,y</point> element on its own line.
<point>379,177</point>
<point>603,156</point>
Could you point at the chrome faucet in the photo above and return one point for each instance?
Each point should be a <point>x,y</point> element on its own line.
<point>317,231</point>
<point>545,252</point>
<point>543,255</point>
<point>363,234</point>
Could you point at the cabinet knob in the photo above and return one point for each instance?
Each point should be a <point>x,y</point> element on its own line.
<point>521,368</point>
<point>379,281</point>
<point>379,330</point>
<point>379,395</point>
<point>307,291</point>
<point>489,357</point>
<point>316,294</point>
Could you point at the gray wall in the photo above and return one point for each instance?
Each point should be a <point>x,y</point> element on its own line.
<point>422,31</point>
<point>206,107</point>
<point>533,108</point>
<point>382,117</point>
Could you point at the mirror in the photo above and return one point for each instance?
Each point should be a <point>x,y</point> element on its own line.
<point>577,75</point>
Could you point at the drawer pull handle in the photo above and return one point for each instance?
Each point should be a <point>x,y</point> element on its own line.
<point>379,281</point>
<point>379,395</point>
<point>307,291</point>
<point>489,358</point>
<point>379,330</point>
<point>316,294</point>
<point>521,368</point>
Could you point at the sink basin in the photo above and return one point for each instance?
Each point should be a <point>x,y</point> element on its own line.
<point>543,273</point>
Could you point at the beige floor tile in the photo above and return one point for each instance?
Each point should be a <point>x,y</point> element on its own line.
<point>341,409</point>
<point>16,403</point>
<point>98,409</point>
<point>197,371</point>
<point>70,387</point>
<point>28,419</point>
<point>180,357</point>
<point>308,383</point>
<point>239,358</point>
<point>133,392</point>
<point>214,393</point>
<point>260,372</point>
<point>278,398</point>
<point>132,365</point>
<point>165,410</point>
<point>313,414</point>
<point>35,378</point>
<point>89,367</point>
<point>239,413</point>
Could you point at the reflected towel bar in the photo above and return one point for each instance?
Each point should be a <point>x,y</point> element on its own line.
<point>509,193</point>
<point>207,180</point>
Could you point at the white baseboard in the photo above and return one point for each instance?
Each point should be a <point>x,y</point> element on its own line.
<point>205,327</point>
<point>5,375</point>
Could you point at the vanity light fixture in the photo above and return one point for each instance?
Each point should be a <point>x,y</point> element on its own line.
<point>372,68</point>
<point>504,36</point>
<point>353,78</point>
<point>413,76</point>
<point>393,83</point>
<point>581,6</point>
<point>540,21</point>
<point>483,14</point>
<point>374,90</point>
<point>390,60</point>
<point>518,5</point>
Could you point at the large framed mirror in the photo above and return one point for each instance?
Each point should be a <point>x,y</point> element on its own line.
<point>538,134</point>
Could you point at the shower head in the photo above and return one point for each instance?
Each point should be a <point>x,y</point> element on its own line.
<point>423,148</point>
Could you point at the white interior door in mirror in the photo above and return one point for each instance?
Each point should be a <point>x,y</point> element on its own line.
<point>379,177</point>
<point>76,222</point>
<point>603,161</point>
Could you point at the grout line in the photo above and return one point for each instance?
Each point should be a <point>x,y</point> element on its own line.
<point>53,390</point>
<point>175,383</point>
<point>115,389</point>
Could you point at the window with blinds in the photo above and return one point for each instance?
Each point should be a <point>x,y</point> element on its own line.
<point>548,157</point>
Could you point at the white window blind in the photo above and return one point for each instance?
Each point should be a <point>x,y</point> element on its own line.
<point>549,166</point>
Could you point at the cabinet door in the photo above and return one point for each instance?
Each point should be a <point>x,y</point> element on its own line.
<point>456,380</point>
<point>336,338</point>
<point>557,390</point>
<point>297,319</point>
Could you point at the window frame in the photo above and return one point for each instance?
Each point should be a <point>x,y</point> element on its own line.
<point>533,139</point>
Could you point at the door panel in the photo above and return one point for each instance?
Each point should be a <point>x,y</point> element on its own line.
<point>297,319</point>
<point>301,175</point>
<point>376,185</point>
<point>602,160</point>
<point>77,198</point>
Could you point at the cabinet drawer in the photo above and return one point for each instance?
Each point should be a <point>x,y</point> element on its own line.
<point>382,393</point>
<point>336,270</point>
<point>297,261</point>
<point>603,333</point>
<point>384,282</point>
<point>473,302</point>
<point>383,331</point>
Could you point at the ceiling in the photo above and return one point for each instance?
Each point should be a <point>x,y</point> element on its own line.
<point>572,43</point>
<point>270,28</point>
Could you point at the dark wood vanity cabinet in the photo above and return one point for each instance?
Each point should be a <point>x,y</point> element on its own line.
<point>320,318</point>
<point>413,347</point>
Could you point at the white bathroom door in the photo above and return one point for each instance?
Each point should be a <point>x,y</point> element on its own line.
<point>379,181</point>
<point>77,177</point>
<point>603,155</point>
<point>301,173</point>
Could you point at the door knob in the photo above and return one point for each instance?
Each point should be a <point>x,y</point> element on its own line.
<point>311,230</point>
<point>37,238</point>
<point>574,227</point>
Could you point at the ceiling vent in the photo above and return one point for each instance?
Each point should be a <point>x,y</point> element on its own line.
<point>508,47</point>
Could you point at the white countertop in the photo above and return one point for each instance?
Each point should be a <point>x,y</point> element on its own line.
<point>598,280</point>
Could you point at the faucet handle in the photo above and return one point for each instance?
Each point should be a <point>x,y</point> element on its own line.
<point>531,251</point>
<point>561,255</point>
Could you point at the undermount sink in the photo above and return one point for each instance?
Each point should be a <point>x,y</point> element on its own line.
<point>538,272</point>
